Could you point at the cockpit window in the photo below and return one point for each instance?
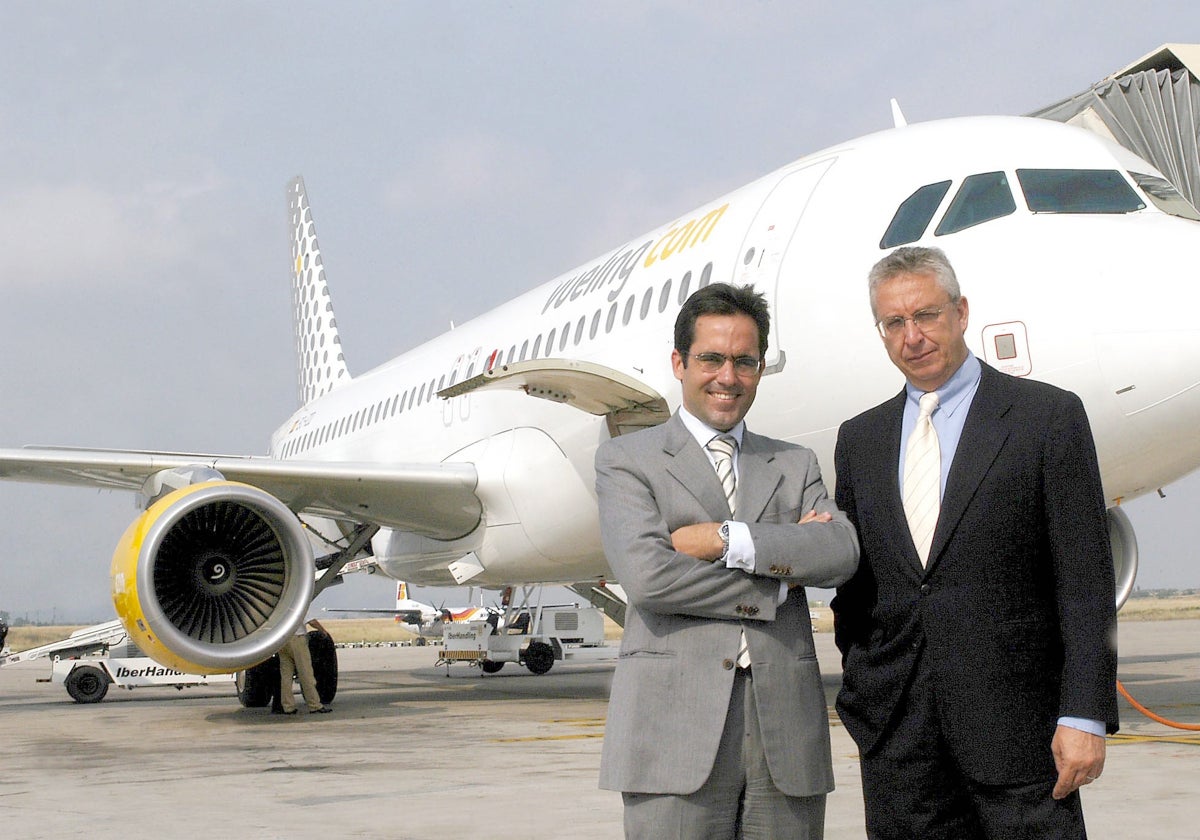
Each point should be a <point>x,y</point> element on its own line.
<point>913,215</point>
<point>981,198</point>
<point>1078,191</point>
<point>1163,193</point>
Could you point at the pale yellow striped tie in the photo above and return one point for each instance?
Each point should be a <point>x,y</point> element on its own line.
<point>923,478</point>
<point>722,447</point>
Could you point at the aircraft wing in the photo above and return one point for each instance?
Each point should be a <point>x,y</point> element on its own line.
<point>436,500</point>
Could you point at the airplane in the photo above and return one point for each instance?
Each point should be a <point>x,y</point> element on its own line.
<point>425,619</point>
<point>469,459</point>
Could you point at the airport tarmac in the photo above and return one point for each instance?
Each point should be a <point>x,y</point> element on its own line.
<point>410,752</point>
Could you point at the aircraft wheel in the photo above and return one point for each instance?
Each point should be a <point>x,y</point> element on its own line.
<point>258,686</point>
<point>539,657</point>
<point>490,667</point>
<point>87,684</point>
<point>323,652</point>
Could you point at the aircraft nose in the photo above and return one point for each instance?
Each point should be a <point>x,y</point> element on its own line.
<point>1147,369</point>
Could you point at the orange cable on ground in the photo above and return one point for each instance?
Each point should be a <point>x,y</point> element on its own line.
<point>1195,727</point>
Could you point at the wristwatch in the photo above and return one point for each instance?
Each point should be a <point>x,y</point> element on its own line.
<point>723,533</point>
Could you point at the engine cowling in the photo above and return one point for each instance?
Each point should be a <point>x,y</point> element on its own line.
<point>1124,551</point>
<point>213,577</point>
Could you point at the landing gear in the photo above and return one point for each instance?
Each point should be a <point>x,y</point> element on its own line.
<point>323,652</point>
<point>258,686</point>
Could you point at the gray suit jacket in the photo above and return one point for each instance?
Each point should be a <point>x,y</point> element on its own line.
<point>673,682</point>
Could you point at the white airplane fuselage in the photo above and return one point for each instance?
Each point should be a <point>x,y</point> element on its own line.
<point>1098,303</point>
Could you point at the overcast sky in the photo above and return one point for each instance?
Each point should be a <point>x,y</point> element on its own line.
<point>456,154</point>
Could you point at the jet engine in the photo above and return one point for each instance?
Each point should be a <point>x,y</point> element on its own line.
<point>1124,551</point>
<point>213,577</point>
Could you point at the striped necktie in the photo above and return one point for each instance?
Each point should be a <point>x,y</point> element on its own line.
<point>923,478</point>
<point>722,448</point>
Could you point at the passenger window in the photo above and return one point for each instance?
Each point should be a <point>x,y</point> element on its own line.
<point>595,327</point>
<point>705,276</point>
<point>537,347</point>
<point>665,297</point>
<point>524,348</point>
<point>980,199</point>
<point>1164,195</point>
<point>579,329</point>
<point>612,318</point>
<point>628,311</point>
<point>647,299</point>
<point>914,214</point>
<point>684,283</point>
<point>566,335</point>
<point>1078,191</point>
<point>550,342</point>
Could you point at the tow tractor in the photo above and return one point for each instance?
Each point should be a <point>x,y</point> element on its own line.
<point>532,635</point>
<point>88,661</point>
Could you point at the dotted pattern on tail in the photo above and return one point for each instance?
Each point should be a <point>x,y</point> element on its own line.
<point>319,360</point>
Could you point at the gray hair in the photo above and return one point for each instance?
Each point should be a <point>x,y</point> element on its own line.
<point>914,260</point>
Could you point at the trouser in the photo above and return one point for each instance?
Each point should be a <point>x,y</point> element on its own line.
<point>913,787</point>
<point>294,658</point>
<point>738,800</point>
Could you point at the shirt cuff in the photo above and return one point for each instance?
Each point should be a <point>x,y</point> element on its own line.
<point>740,554</point>
<point>1093,727</point>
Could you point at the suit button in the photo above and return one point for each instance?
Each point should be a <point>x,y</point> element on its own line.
<point>926,588</point>
<point>728,664</point>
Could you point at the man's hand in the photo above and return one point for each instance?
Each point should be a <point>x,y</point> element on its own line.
<point>701,540</point>
<point>1079,757</point>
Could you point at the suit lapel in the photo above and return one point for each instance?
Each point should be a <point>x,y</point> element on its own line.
<point>885,464</point>
<point>689,465</point>
<point>983,437</point>
<point>758,478</point>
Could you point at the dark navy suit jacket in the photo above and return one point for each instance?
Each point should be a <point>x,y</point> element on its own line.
<point>1014,615</point>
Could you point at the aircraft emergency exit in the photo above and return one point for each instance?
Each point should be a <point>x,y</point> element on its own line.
<point>468,459</point>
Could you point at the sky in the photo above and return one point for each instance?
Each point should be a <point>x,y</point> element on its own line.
<point>456,154</point>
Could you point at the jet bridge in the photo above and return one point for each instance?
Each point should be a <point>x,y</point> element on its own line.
<point>1152,108</point>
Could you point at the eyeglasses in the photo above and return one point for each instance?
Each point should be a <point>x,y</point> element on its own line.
<point>713,362</point>
<point>923,319</point>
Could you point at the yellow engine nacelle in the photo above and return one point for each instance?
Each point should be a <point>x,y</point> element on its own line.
<point>213,577</point>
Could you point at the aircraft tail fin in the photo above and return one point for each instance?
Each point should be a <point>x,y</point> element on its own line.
<point>321,365</point>
<point>401,592</point>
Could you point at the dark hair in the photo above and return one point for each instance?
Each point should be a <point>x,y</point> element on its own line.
<point>721,299</point>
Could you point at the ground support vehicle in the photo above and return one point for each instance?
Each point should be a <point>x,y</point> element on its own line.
<point>533,636</point>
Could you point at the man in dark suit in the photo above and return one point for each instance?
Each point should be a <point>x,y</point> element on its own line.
<point>978,635</point>
<point>717,725</point>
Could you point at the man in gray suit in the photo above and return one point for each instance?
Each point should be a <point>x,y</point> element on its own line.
<point>717,724</point>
